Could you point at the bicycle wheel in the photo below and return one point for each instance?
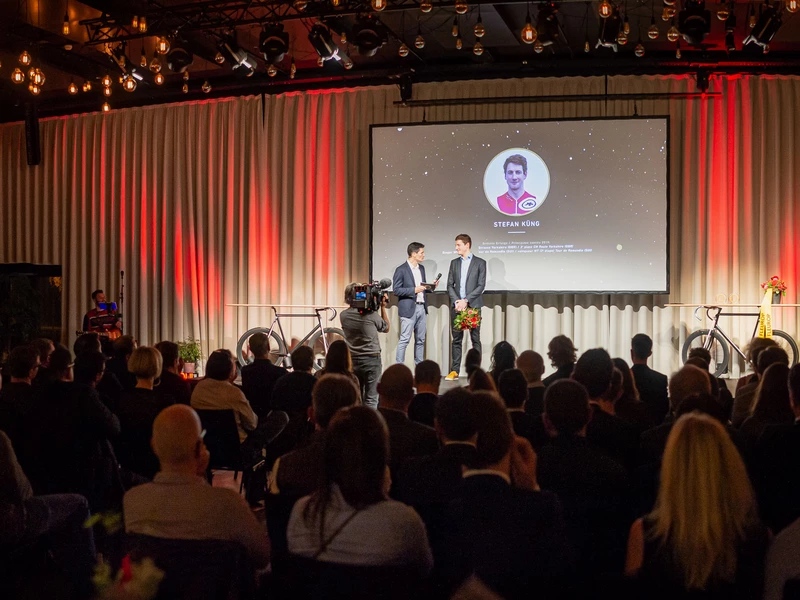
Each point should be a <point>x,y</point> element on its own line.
<point>785,341</point>
<point>277,349</point>
<point>332,334</point>
<point>716,345</point>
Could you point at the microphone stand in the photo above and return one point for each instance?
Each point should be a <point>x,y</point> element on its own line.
<point>122,299</point>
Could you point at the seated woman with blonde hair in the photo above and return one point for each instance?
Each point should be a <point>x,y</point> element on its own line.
<point>703,538</point>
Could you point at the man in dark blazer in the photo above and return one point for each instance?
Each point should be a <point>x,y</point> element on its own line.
<point>465,284</point>
<point>260,376</point>
<point>412,306</point>
<point>651,384</point>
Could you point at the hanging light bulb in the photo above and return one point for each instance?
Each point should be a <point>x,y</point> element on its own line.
<point>528,33</point>
<point>538,47</point>
<point>459,42</point>
<point>723,12</point>
<point>300,5</point>
<point>186,75</point>
<point>34,89</point>
<point>143,60</point>
<point>87,86</point>
<point>158,79</point>
<point>403,50</point>
<point>25,58</point>
<point>626,26</point>
<point>426,6</point>
<point>461,7</point>
<point>72,89</point>
<point>479,30</point>
<point>667,13</point>
<point>348,64</point>
<point>162,45</point>
<point>142,24</point>
<point>155,65</point>
<point>107,91</point>
<point>185,88</point>
<point>272,70</point>
<point>678,51</point>
<point>106,107</point>
<point>343,37</point>
<point>219,58</point>
<point>106,80</point>
<point>206,87</point>
<point>622,39</point>
<point>38,77</point>
<point>586,47</point>
<point>477,49</point>
<point>673,34</point>
<point>419,42</point>
<point>17,76</point>
<point>128,83</point>
<point>792,6</point>
<point>135,22</point>
<point>639,50</point>
<point>605,9</point>
<point>454,31</point>
<point>292,69</point>
<point>320,61</point>
<point>65,24</point>
<point>653,32</point>
<point>378,5</point>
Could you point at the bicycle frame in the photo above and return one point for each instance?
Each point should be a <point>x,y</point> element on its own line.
<point>317,327</point>
<point>718,329</point>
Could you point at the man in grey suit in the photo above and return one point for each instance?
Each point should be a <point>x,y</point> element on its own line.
<point>465,283</point>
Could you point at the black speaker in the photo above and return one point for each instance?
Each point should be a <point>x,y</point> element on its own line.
<point>32,134</point>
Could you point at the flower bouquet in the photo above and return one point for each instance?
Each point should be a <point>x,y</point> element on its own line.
<point>776,284</point>
<point>469,318</point>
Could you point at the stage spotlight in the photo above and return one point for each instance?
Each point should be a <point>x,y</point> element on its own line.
<point>322,41</point>
<point>368,36</point>
<point>179,58</point>
<point>766,27</point>
<point>241,60</point>
<point>274,43</point>
<point>609,31</point>
<point>694,21</point>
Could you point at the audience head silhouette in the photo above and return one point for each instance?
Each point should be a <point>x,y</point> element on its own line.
<point>170,355</point>
<point>455,418</point>
<point>770,356</point>
<point>685,382</point>
<point>531,364</point>
<point>331,393</point>
<point>513,388</point>
<point>89,367</point>
<point>87,342</point>
<point>561,351</point>
<point>772,395</point>
<point>427,377</point>
<point>145,362</point>
<point>303,359</point>
<point>220,365</point>
<point>480,380</point>
<point>504,357</point>
<point>472,361</point>
<point>396,388</point>
<point>495,434</point>
<point>177,440</point>
<point>61,363</point>
<point>641,347</point>
<point>259,345</point>
<point>566,407</point>
<point>22,364</point>
<point>338,358</point>
<point>594,370</point>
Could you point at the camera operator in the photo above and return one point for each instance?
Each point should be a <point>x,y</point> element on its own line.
<point>361,329</point>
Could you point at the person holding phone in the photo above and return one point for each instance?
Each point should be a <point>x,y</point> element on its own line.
<point>412,305</point>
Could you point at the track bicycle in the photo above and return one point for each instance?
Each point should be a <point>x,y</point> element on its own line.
<point>718,343</point>
<point>319,338</point>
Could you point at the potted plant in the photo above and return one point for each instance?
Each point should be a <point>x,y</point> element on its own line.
<point>190,353</point>
<point>778,287</point>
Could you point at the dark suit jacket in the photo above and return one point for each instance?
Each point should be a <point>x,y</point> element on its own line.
<point>138,409</point>
<point>530,427</point>
<point>476,281</point>
<point>563,372</point>
<point>534,405</point>
<point>423,408</point>
<point>615,437</point>
<point>407,438</point>
<point>258,381</point>
<point>652,387</point>
<point>403,288</point>
<point>426,480</point>
<point>175,387</point>
<point>514,540</point>
<point>776,477</point>
<point>595,493</point>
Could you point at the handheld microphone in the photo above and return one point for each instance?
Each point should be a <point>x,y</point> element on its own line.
<point>438,277</point>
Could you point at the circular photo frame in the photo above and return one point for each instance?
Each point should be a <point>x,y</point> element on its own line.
<point>516,182</point>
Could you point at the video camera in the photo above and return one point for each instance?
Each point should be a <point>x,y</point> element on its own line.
<point>366,297</point>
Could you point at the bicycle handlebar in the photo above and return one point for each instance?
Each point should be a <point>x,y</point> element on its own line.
<point>329,309</point>
<point>708,312</point>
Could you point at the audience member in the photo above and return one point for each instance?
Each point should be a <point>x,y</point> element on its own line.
<point>123,347</point>
<point>427,379</point>
<point>724,395</point>
<point>593,488</point>
<point>17,401</point>
<point>338,361</point>
<point>89,368</point>
<point>513,390</point>
<point>138,409</point>
<point>502,527</point>
<point>480,380</point>
<point>615,437</point>
<point>532,366</point>
<point>170,382</point>
<point>703,538</point>
<point>745,396</point>
<point>179,503</point>
<point>652,385</point>
<point>260,376</point>
<point>504,357</point>
<point>753,349</point>
<point>292,392</point>
<point>406,438</point>
<point>108,387</point>
<point>44,348</point>
<point>628,405</point>
<point>349,519</point>
<point>217,392</point>
<point>782,565</point>
<point>771,405</point>
<point>54,522</point>
<point>776,478</point>
<point>562,354</point>
<point>472,361</point>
